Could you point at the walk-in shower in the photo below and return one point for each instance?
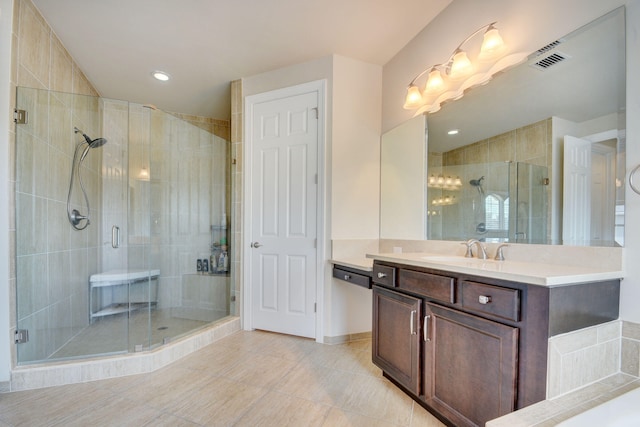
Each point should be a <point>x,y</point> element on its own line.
<point>108,229</point>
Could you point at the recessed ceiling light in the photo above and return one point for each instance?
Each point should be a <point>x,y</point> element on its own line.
<point>453,132</point>
<point>160,75</point>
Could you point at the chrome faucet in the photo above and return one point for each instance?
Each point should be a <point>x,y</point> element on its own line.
<point>482,251</point>
<point>499,255</point>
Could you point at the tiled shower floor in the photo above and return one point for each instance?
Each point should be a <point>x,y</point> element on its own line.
<point>123,332</point>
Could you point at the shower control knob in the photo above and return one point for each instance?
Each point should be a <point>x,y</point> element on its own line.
<point>255,245</point>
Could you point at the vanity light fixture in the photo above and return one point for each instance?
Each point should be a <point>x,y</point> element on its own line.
<point>453,132</point>
<point>447,183</point>
<point>161,75</point>
<point>449,80</point>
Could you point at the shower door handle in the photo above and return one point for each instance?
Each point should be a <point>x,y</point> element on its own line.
<point>115,237</point>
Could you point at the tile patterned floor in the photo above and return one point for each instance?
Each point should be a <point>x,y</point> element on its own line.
<point>247,379</point>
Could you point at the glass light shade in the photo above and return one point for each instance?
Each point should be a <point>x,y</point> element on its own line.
<point>434,82</point>
<point>492,43</point>
<point>461,65</point>
<point>414,97</point>
<point>143,175</point>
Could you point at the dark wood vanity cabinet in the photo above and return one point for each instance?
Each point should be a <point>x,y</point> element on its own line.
<point>469,348</point>
<point>396,318</point>
<point>470,366</point>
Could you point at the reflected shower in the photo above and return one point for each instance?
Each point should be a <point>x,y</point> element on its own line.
<point>478,184</point>
<point>75,217</point>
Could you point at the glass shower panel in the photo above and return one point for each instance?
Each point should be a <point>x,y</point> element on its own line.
<point>60,237</point>
<point>531,211</point>
<point>188,197</point>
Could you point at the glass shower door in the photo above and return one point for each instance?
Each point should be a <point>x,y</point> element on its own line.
<point>532,200</point>
<point>69,193</point>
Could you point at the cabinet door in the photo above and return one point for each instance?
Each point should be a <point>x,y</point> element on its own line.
<point>396,341</point>
<point>470,368</point>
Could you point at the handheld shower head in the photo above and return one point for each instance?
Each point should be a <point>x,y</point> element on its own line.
<point>478,184</point>
<point>93,143</point>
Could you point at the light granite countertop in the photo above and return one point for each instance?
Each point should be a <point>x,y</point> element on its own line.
<point>525,272</point>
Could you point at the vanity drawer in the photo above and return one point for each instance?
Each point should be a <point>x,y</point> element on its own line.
<point>440,288</point>
<point>500,302</point>
<point>351,277</point>
<point>384,275</point>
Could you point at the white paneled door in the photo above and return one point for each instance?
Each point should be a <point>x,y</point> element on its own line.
<point>283,214</point>
<point>576,206</point>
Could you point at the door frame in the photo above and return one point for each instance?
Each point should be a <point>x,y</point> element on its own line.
<point>319,87</point>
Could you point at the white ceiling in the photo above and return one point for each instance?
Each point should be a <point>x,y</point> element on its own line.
<point>205,44</point>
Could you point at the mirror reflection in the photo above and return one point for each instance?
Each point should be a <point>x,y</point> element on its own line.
<point>535,156</point>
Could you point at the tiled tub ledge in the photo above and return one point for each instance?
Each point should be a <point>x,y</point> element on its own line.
<point>55,374</point>
<point>549,413</point>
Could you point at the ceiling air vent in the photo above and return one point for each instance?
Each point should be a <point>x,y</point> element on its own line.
<point>548,47</point>
<point>549,61</point>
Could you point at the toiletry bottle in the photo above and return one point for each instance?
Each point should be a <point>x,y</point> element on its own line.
<point>205,266</point>
<point>222,261</point>
<point>225,264</point>
<point>199,266</point>
<point>215,256</point>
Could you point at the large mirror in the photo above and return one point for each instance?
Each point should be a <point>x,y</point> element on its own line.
<point>538,156</point>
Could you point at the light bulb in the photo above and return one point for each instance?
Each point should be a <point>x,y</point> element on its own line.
<point>461,65</point>
<point>434,82</point>
<point>492,43</point>
<point>414,97</point>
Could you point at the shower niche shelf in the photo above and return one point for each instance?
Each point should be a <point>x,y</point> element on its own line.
<point>121,291</point>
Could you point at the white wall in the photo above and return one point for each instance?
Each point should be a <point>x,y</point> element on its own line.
<point>6,24</point>
<point>526,25</point>
<point>355,149</point>
<point>355,183</point>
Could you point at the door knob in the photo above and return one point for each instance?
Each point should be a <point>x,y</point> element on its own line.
<point>255,245</point>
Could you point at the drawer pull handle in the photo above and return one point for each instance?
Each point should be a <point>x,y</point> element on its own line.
<point>425,328</point>
<point>484,299</point>
<point>411,327</point>
<point>381,275</point>
<point>347,277</point>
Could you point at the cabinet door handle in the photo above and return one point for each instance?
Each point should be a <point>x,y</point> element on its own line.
<point>381,275</point>
<point>425,328</point>
<point>484,299</point>
<point>411,327</point>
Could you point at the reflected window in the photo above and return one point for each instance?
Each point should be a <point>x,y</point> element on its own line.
<point>496,212</point>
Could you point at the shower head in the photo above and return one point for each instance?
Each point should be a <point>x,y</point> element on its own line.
<point>477,182</point>
<point>93,143</point>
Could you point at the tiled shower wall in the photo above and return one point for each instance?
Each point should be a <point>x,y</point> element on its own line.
<point>40,61</point>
